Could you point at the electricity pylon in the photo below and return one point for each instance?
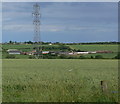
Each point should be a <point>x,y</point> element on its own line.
<point>36,23</point>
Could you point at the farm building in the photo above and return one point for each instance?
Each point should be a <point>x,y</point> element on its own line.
<point>104,52</point>
<point>13,51</point>
<point>81,52</point>
<point>45,52</point>
<point>77,53</point>
<point>27,53</point>
<point>92,52</point>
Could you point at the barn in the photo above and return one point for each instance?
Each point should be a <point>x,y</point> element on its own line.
<point>13,51</point>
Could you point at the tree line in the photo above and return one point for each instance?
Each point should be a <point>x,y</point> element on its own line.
<point>60,43</point>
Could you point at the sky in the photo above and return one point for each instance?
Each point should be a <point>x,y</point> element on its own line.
<point>61,21</point>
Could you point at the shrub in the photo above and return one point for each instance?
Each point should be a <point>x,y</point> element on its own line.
<point>118,56</point>
<point>10,57</point>
<point>31,57</point>
<point>99,57</point>
<point>63,57</point>
<point>91,57</point>
<point>82,57</point>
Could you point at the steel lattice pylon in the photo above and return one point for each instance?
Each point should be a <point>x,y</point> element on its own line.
<point>36,23</point>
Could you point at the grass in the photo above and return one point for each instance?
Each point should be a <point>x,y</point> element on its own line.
<point>97,47</point>
<point>55,80</point>
<point>92,47</point>
<point>105,55</point>
<point>22,46</point>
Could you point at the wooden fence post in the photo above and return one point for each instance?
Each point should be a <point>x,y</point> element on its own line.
<point>104,86</point>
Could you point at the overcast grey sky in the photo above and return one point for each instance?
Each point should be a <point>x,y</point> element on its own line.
<point>62,21</point>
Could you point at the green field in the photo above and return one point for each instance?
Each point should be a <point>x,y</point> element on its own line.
<point>23,47</point>
<point>92,47</point>
<point>55,80</point>
<point>96,47</point>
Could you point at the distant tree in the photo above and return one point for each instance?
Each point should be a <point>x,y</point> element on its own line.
<point>30,42</point>
<point>10,42</point>
<point>78,50</point>
<point>98,56</point>
<point>91,57</point>
<point>118,56</point>
<point>82,57</point>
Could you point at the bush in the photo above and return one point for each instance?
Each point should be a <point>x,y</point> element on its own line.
<point>99,57</point>
<point>92,57</point>
<point>31,57</point>
<point>83,57</point>
<point>63,56</point>
<point>50,56</point>
<point>118,56</point>
<point>10,57</point>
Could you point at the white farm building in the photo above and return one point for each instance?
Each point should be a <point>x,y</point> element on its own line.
<point>13,51</point>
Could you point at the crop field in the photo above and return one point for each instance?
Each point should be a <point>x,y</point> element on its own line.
<point>58,80</point>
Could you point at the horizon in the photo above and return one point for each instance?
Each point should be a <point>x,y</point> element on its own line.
<point>89,22</point>
<point>63,42</point>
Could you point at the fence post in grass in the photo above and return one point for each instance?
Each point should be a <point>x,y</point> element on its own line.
<point>104,86</point>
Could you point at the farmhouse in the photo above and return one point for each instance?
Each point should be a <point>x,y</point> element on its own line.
<point>13,51</point>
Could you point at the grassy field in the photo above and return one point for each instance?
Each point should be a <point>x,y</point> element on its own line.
<point>23,47</point>
<point>96,47</point>
<point>92,47</point>
<point>27,47</point>
<point>55,80</point>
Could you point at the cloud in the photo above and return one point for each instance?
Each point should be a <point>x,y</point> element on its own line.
<point>61,13</point>
<point>61,0</point>
<point>69,18</point>
<point>57,28</point>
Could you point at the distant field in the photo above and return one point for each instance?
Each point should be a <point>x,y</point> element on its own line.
<point>97,47</point>
<point>24,47</point>
<point>93,47</point>
<point>20,46</point>
<point>55,80</point>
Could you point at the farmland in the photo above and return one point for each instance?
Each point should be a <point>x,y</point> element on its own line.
<point>56,80</point>
<point>94,47</point>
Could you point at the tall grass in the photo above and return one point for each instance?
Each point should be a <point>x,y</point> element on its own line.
<point>55,80</point>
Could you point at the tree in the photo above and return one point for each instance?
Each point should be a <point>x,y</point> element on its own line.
<point>82,57</point>
<point>98,56</point>
<point>118,56</point>
<point>10,42</point>
<point>30,42</point>
<point>92,57</point>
